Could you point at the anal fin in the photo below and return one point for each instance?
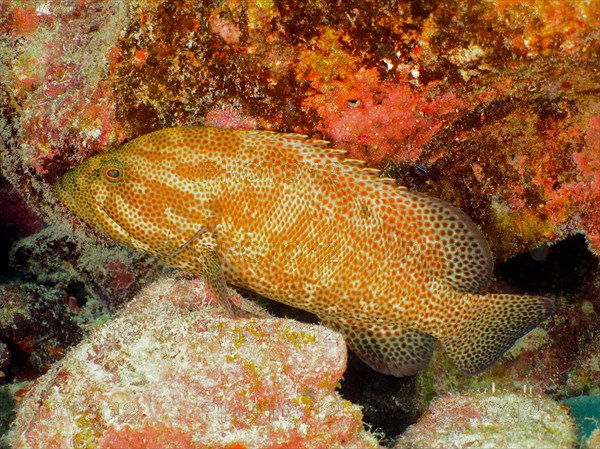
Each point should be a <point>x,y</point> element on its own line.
<point>387,348</point>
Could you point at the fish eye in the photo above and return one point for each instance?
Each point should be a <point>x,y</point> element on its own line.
<point>113,172</point>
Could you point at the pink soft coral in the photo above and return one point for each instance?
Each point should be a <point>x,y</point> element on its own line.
<point>377,120</point>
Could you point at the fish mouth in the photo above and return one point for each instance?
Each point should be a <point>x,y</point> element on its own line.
<point>64,194</point>
<point>79,200</point>
<point>73,199</point>
<point>69,192</point>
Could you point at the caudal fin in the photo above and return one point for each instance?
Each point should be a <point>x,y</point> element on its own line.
<point>491,327</point>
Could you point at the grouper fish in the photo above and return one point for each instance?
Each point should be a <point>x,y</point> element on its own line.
<point>298,222</point>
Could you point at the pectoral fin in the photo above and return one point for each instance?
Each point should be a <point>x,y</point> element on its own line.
<point>210,271</point>
<point>388,349</point>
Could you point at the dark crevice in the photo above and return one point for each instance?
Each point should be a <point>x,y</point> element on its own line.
<point>562,268</point>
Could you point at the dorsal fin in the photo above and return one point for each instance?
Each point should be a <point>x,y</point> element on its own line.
<point>353,162</point>
<point>374,171</point>
<point>320,149</point>
<point>391,181</point>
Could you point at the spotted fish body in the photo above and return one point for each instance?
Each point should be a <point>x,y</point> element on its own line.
<point>297,222</point>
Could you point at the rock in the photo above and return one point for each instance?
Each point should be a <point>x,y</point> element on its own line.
<point>492,420</point>
<point>173,371</point>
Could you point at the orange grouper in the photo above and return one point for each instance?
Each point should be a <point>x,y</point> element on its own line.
<point>296,221</point>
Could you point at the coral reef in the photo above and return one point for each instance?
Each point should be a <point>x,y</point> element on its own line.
<point>377,120</point>
<point>104,271</point>
<point>492,420</point>
<point>506,122</point>
<point>496,101</point>
<point>37,325</point>
<point>174,371</point>
<point>535,181</point>
<point>14,212</point>
<point>9,393</point>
